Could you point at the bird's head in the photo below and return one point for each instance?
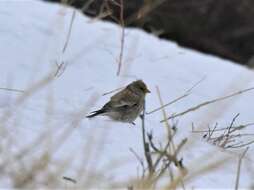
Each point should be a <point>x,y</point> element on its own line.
<point>139,86</point>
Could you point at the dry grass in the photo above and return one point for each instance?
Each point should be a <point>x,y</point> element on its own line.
<point>34,166</point>
<point>228,137</point>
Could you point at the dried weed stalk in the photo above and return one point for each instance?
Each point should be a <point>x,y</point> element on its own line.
<point>239,168</point>
<point>159,158</point>
<point>62,65</point>
<point>207,103</point>
<point>228,137</point>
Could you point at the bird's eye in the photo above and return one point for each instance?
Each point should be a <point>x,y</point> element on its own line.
<point>142,88</point>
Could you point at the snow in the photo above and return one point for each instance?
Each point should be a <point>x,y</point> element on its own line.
<point>32,36</point>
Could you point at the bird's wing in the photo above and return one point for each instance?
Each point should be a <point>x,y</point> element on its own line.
<point>124,98</point>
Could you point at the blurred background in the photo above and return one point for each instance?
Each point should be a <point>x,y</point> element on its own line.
<point>222,28</point>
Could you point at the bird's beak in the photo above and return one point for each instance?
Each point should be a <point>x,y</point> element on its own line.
<point>148,91</point>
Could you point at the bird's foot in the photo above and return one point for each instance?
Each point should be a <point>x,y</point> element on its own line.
<point>141,116</point>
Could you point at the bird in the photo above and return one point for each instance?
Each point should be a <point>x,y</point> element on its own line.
<point>126,105</point>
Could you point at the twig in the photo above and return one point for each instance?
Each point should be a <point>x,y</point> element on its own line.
<point>101,16</point>
<point>187,93</point>
<point>139,160</point>
<point>86,5</point>
<point>239,168</point>
<point>196,84</point>
<point>227,133</point>
<point>169,139</point>
<point>232,122</point>
<point>122,38</point>
<point>170,136</point>
<point>117,89</point>
<point>161,155</point>
<point>243,144</point>
<point>12,90</point>
<point>165,115</point>
<point>201,170</point>
<point>228,138</point>
<point>162,171</point>
<point>212,132</point>
<point>60,68</point>
<point>146,146</point>
<point>207,103</point>
<point>69,32</point>
<point>172,102</point>
<point>234,128</point>
<point>144,11</point>
<point>62,65</point>
<point>180,146</point>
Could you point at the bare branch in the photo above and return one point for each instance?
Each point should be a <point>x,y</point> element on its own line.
<point>146,145</point>
<point>112,91</point>
<point>187,93</point>
<point>86,5</point>
<point>243,144</point>
<point>239,168</point>
<point>60,68</point>
<point>228,137</point>
<point>170,135</point>
<point>234,128</point>
<point>69,32</point>
<point>207,103</point>
<point>139,160</point>
<point>170,103</point>
<point>12,90</point>
<point>122,38</point>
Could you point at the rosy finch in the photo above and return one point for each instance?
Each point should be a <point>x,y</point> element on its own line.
<point>126,105</point>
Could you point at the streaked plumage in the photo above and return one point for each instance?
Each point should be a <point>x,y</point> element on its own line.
<point>126,105</point>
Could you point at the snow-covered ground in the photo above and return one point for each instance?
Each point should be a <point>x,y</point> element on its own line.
<point>32,36</point>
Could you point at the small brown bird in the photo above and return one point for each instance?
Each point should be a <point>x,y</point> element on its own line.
<point>126,105</point>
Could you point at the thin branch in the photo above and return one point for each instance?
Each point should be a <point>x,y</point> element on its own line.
<point>232,122</point>
<point>122,38</point>
<point>165,115</point>
<point>227,133</point>
<point>170,136</point>
<point>101,16</point>
<point>86,5</point>
<point>172,102</point>
<point>239,168</point>
<point>207,103</point>
<point>161,155</point>
<point>12,90</point>
<point>139,160</point>
<point>244,144</point>
<point>180,146</point>
<point>69,32</point>
<point>234,128</point>
<point>162,171</point>
<point>112,91</point>
<point>144,11</point>
<point>212,132</point>
<point>228,138</point>
<point>60,68</point>
<point>146,145</point>
<point>186,93</point>
<point>196,84</point>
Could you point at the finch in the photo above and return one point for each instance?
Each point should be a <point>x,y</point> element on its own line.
<point>126,105</point>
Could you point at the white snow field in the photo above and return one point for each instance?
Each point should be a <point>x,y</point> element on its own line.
<point>96,152</point>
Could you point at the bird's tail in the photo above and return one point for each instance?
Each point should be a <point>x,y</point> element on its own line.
<point>95,113</point>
